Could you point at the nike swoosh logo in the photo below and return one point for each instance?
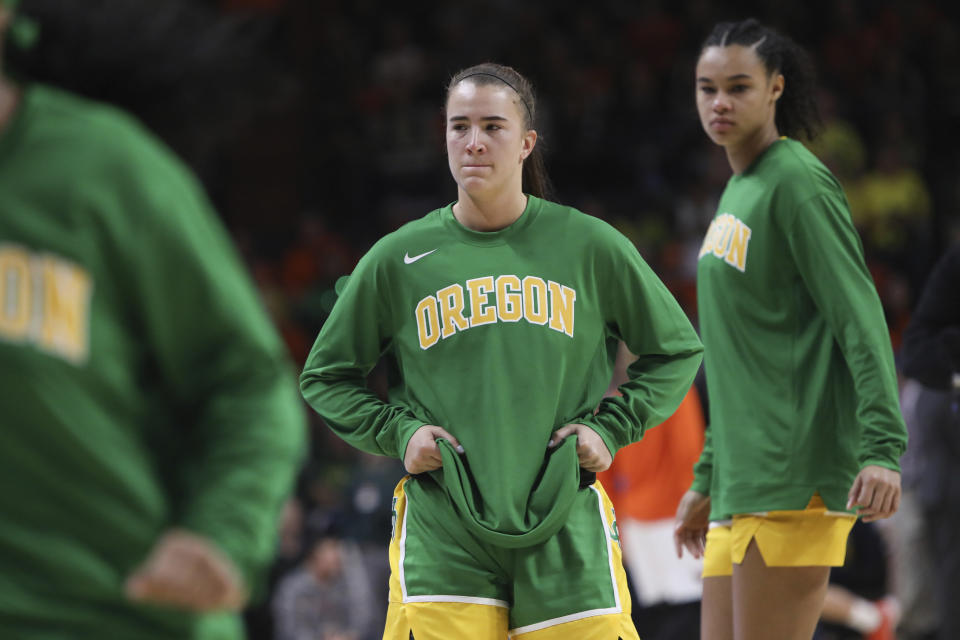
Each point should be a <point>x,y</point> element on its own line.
<point>407,259</point>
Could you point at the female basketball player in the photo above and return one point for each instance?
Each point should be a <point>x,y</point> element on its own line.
<point>500,315</point>
<point>804,418</point>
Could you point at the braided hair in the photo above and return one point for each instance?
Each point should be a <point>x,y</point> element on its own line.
<point>797,113</point>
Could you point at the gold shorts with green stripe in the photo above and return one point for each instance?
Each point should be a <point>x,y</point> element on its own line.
<point>813,536</point>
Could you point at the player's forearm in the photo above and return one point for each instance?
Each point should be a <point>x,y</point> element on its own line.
<point>247,452</point>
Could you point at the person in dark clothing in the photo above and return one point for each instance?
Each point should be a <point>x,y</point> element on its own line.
<point>931,344</point>
<point>931,356</point>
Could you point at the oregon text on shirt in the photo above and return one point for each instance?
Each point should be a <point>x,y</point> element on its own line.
<point>533,299</point>
<point>45,301</point>
<point>727,238</point>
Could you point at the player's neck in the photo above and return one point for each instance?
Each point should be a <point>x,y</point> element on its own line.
<point>742,155</point>
<point>489,214</point>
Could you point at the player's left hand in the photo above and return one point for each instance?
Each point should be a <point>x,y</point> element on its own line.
<point>187,571</point>
<point>876,493</point>
<point>592,452</point>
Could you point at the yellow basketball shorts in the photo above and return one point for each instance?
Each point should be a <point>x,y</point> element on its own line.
<point>798,538</point>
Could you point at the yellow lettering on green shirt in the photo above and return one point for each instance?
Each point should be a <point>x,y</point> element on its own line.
<point>15,294</point>
<point>66,290</point>
<point>481,311</point>
<point>428,322</point>
<point>535,300</point>
<point>451,310</point>
<point>562,299</point>
<point>509,298</point>
<point>737,254</point>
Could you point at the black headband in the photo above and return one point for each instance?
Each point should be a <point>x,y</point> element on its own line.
<point>493,75</point>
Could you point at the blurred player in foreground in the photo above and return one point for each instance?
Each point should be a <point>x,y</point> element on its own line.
<point>150,426</point>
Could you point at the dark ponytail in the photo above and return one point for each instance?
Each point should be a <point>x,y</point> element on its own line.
<point>797,113</point>
<point>536,182</point>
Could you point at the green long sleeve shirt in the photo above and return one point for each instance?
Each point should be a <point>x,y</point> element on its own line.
<point>142,386</point>
<point>500,338</point>
<point>800,373</point>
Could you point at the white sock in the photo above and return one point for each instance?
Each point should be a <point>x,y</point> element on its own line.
<point>864,616</point>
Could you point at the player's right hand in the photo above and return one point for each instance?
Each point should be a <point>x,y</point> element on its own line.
<point>187,571</point>
<point>875,493</point>
<point>692,523</point>
<point>423,453</point>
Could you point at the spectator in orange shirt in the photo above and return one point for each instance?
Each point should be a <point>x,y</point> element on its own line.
<point>645,483</point>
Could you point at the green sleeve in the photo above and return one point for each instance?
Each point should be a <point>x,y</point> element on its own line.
<point>642,312</point>
<point>349,345</point>
<point>703,469</point>
<point>222,368</point>
<point>827,251</point>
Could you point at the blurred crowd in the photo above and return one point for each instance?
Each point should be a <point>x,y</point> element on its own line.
<point>361,151</point>
<point>353,147</point>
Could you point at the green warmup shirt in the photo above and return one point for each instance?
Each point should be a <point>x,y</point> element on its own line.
<point>800,373</point>
<point>501,338</point>
<point>142,386</point>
